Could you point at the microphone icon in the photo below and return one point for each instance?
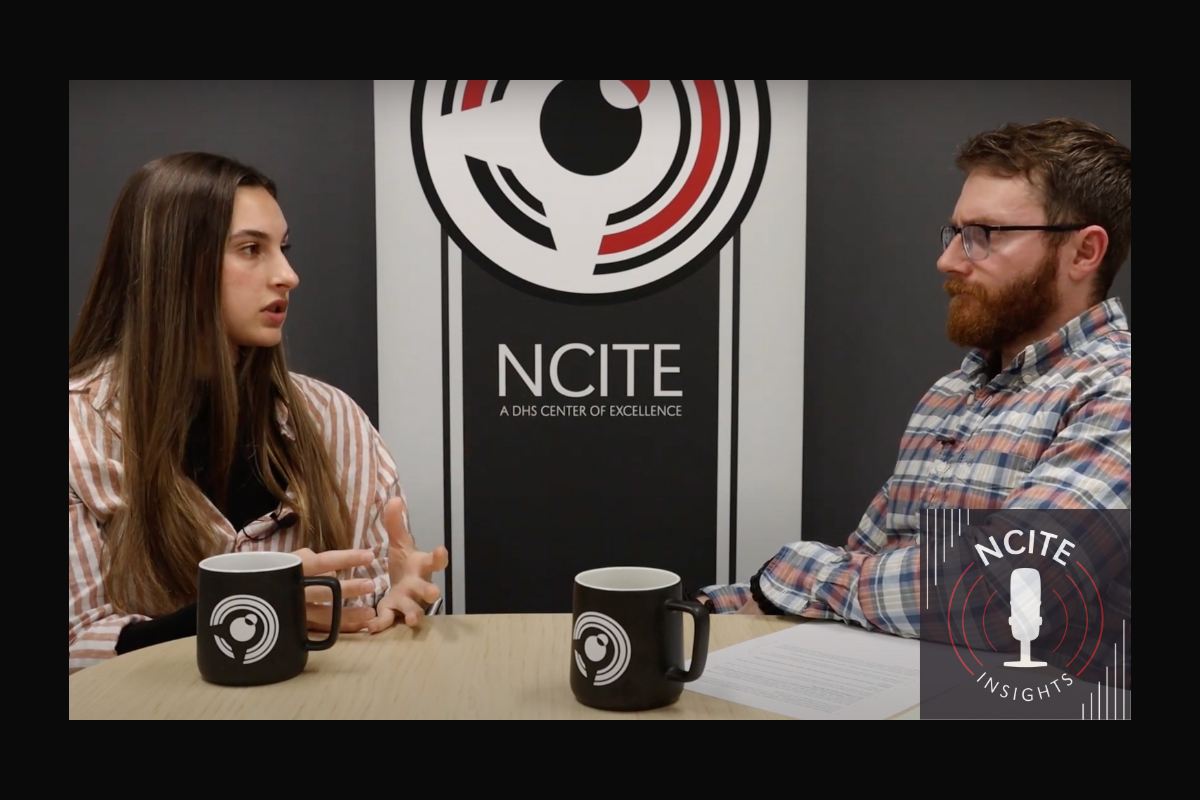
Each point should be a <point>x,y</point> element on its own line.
<point>1026,603</point>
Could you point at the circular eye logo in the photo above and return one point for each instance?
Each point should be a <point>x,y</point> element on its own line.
<point>590,187</point>
<point>602,648</point>
<point>246,628</point>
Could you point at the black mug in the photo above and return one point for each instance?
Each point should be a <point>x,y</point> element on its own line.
<point>252,625</point>
<point>627,639</point>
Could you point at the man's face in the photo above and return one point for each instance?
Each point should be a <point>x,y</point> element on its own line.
<point>1011,288</point>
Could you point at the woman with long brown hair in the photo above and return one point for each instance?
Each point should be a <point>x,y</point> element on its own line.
<point>189,436</point>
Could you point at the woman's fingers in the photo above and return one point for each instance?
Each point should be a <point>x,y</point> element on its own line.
<point>354,619</point>
<point>333,560</point>
<point>350,590</point>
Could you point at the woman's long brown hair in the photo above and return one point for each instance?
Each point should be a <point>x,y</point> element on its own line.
<point>154,311</point>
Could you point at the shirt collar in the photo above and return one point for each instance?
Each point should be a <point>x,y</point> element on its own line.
<point>281,416</point>
<point>1041,357</point>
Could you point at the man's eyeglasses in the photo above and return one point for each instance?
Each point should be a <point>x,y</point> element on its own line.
<point>977,239</point>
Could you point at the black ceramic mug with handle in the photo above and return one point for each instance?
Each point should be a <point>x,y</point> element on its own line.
<point>627,639</point>
<point>252,624</point>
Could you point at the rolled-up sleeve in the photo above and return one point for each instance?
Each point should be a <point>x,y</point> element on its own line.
<point>93,626</point>
<point>367,475</point>
<point>871,581</point>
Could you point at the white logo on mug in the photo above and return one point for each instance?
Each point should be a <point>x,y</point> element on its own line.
<point>601,642</point>
<point>245,627</point>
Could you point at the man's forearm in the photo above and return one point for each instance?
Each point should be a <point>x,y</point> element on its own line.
<point>724,599</point>
<point>819,581</point>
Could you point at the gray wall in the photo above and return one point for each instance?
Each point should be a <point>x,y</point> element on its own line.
<point>316,139</point>
<point>881,183</point>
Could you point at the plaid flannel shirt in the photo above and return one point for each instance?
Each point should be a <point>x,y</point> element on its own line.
<point>1052,431</point>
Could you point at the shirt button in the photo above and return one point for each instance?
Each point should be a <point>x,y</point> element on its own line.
<point>941,468</point>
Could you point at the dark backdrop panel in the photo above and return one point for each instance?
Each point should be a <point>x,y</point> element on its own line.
<point>315,138</point>
<point>546,498</point>
<point>882,182</point>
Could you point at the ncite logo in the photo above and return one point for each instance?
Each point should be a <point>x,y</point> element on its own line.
<point>1025,614</point>
<point>602,648</point>
<point>590,187</point>
<point>246,628</point>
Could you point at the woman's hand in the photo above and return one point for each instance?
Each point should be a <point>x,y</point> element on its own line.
<point>411,572</point>
<point>329,564</point>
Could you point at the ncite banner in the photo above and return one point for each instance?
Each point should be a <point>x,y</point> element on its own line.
<point>1026,614</point>
<point>590,246</point>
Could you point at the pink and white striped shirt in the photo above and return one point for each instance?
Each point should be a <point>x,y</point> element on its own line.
<point>364,467</point>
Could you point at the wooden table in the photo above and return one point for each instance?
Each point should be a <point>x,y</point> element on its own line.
<point>453,667</point>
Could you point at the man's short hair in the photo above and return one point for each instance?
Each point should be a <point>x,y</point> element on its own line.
<point>1085,177</point>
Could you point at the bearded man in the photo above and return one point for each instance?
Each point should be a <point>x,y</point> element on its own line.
<point>1038,417</point>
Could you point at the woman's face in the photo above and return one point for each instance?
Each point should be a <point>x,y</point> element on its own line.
<point>256,277</point>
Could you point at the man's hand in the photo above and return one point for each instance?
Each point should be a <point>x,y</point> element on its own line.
<point>328,564</point>
<point>410,570</point>
<point>751,609</point>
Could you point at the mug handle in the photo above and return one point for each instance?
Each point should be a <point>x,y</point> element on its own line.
<point>699,640</point>
<point>336,623</point>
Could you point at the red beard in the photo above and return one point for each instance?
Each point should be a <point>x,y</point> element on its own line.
<point>989,320</point>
